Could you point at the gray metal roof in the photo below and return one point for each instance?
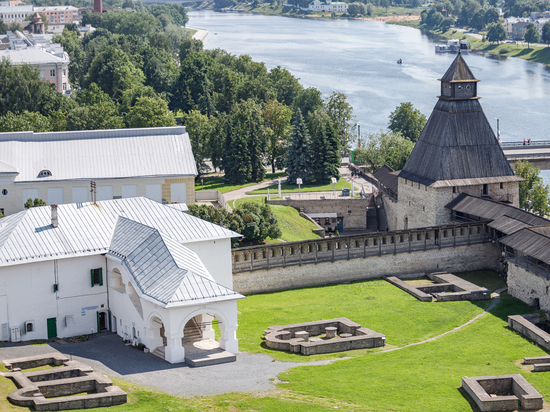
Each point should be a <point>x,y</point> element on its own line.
<point>164,270</point>
<point>87,229</point>
<point>99,154</point>
<point>456,143</point>
<point>487,209</point>
<point>386,178</point>
<point>534,241</point>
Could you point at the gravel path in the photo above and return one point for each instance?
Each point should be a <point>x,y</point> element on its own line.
<point>107,354</point>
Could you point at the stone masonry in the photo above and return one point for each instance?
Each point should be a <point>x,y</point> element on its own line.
<point>528,287</point>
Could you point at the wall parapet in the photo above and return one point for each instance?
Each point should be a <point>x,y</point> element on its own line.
<point>348,247</point>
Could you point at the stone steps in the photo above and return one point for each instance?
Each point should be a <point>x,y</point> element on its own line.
<point>207,358</point>
<point>541,367</point>
<point>160,352</point>
<point>191,333</point>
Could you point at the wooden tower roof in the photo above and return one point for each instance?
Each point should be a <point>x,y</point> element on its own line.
<point>457,146</point>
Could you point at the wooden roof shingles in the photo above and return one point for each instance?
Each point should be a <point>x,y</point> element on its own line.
<point>532,241</point>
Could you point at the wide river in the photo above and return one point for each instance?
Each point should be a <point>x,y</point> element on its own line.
<point>359,58</point>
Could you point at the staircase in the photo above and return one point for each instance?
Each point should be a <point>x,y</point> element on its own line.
<point>191,332</point>
<point>159,351</point>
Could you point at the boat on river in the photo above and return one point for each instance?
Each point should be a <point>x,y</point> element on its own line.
<point>453,46</point>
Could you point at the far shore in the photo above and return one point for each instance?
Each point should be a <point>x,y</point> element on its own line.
<point>389,18</point>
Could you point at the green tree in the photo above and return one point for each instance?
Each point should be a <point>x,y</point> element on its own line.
<point>94,117</point>
<point>533,193</point>
<point>3,27</point>
<point>546,33</point>
<point>34,203</point>
<point>496,32</point>
<point>277,120</point>
<point>531,34</point>
<point>408,121</point>
<point>385,4</point>
<point>299,162</point>
<point>341,116</point>
<point>25,121</point>
<point>199,128</point>
<point>446,24</point>
<point>389,148</point>
<point>73,46</point>
<point>236,157</point>
<point>478,20</point>
<point>491,16</point>
<point>324,149</point>
<point>308,100</point>
<point>259,222</point>
<point>150,112</point>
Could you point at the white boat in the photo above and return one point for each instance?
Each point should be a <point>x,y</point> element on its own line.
<point>453,46</point>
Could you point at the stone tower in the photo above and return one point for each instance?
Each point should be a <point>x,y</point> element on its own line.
<point>457,152</point>
<point>98,6</point>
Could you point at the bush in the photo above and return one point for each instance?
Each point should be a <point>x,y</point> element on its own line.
<point>504,50</point>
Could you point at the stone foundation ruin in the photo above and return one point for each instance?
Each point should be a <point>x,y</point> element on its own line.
<point>446,287</point>
<point>502,393</point>
<point>57,388</point>
<point>341,334</point>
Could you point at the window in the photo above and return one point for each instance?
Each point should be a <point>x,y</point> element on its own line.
<point>64,72</point>
<point>97,277</point>
<point>42,74</point>
<point>485,190</point>
<point>64,86</point>
<point>501,186</point>
<point>454,189</point>
<point>44,173</point>
<point>4,192</point>
<point>29,327</point>
<point>52,72</point>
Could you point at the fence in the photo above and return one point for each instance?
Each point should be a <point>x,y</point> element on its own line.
<point>357,246</point>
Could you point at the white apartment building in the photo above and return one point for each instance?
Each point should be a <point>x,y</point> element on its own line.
<point>328,6</point>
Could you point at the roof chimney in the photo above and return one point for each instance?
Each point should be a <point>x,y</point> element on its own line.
<point>55,222</point>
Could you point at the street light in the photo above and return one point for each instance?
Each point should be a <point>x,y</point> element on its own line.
<point>299,182</point>
<point>333,180</point>
<point>498,129</point>
<point>280,188</point>
<point>352,187</point>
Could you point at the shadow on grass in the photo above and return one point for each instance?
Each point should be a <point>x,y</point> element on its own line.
<point>473,405</point>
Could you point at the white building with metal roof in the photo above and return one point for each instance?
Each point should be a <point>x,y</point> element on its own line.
<point>149,272</point>
<point>58,167</point>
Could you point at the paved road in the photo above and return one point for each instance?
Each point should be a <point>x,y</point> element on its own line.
<point>107,354</point>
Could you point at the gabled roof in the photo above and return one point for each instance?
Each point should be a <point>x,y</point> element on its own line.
<point>386,178</point>
<point>504,218</point>
<point>99,154</point>
<point>163,270</point>
<point>6,168</point>
<point>458,71</point>
<point>87,229</point>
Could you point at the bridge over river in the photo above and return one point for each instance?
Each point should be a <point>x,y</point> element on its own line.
<point>538,152</point>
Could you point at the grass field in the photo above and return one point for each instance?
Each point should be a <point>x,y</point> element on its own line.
<point>287,188</point>
<point>293,226</point>
<point>420,378</point>
<point>218,183</point>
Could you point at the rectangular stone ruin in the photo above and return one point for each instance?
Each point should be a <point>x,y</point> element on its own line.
<point>341,334</point>
<point>520,324</point>
<point>58,388</point>
<point>447,287</point>
<point>502,393</point>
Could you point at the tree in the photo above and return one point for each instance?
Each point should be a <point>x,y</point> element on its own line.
<point>385,3</point>
<point>71,27</point>
<point>341,116</point>
<point>199,128</point>
<point>150,112</point>
<point>94,117</point>
<point>496,32</point>
<point>534,195</point>
<point>34,203</point>
<point>370,8</point>
<point>531,34</point>
<point>408,121</point>
<point>478,20</point>
<point>286,85</point>
<point>325,146</point>
<point>236,158</point>
<point>259,222</point>
<point>298,161</point>
<point>491,16</point>
<point>546,33</point>
<point>355,9</point>
<point>25,121</point>
<point>389,148</point>
<point>446,24</point>
<point>277,120</point>
<point>3,27</point>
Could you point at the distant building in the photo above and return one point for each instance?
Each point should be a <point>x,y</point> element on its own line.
<point>57,167</point>
<point>49,59</point>
<point>98,6</point>
<point>59,14</point>
<point>16,14</point>
<point>515,26</point>
<point>328,6</point>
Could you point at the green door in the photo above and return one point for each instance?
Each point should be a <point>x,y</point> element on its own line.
<point>52,328</point>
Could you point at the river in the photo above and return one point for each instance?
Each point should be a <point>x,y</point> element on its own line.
<point>359,58</point>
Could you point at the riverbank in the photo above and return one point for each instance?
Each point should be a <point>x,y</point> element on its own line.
<point>533,53</point>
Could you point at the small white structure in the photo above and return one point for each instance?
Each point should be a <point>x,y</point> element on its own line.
<point>146,271</point>
<point>328,6</point>
<point>57,167</point>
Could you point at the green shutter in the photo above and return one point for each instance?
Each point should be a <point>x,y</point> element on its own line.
<point>92,274</point>
<point>100,276</point>
<point>98,324</point>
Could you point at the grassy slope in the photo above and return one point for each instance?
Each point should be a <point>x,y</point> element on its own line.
<point>293,226</point>
<point>287,188</point>
<point>218,183</point>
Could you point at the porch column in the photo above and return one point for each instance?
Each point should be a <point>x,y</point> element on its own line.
<point>174,352</point>
<point>228,340</point>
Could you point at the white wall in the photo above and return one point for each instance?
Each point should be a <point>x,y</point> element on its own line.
<point>216,256</point>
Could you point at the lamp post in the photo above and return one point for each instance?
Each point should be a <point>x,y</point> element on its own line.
<point>280,188</point>
<point>333,180</point>
<point>299,182</point>
<point>202,183</point>
<point>352,188</point>
<point>498,129</point>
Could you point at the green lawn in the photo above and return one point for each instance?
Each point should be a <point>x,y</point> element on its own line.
<point>293,226</point>
<point>218,183</point>
<point>420,378</point>
<point>287,188</point>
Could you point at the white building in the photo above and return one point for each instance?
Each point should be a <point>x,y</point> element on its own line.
<point>328,6</point>
<point>143,270</point>
<point>15,14</point>
<point>58,167</point>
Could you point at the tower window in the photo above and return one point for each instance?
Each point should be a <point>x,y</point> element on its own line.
<point>454,189</point>
<point>485,190</point>
<point>501,186</point>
